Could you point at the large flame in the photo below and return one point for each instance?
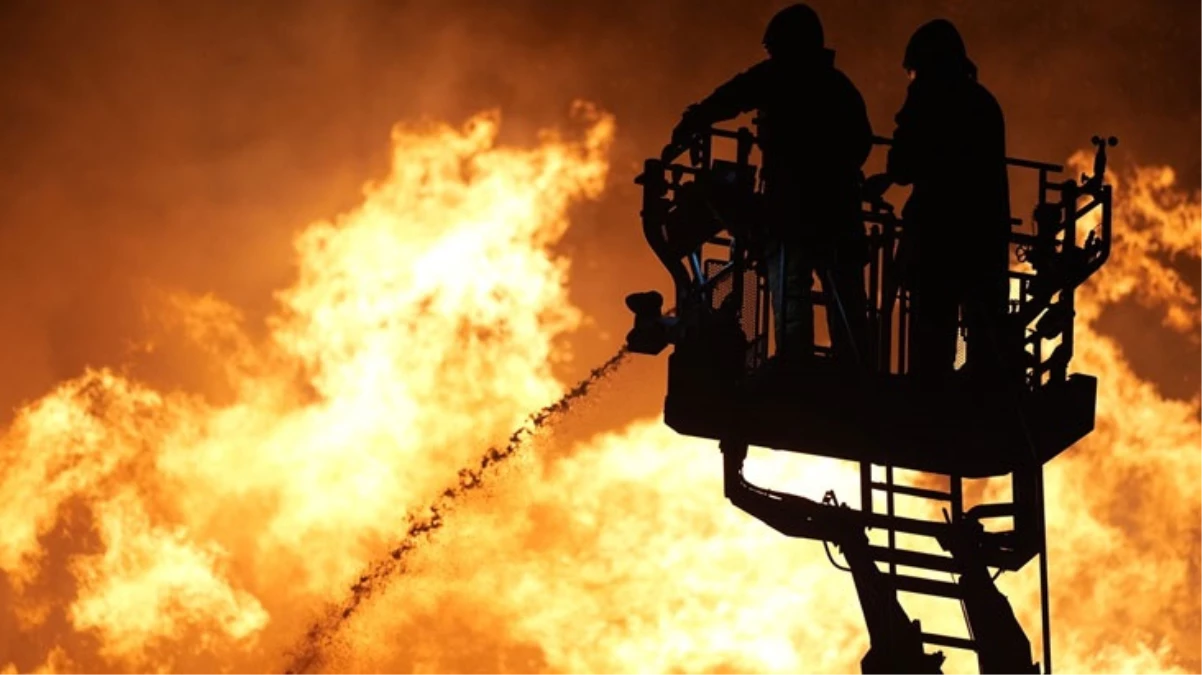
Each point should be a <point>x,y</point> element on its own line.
<point>422,327</point>
<point>161,530</point>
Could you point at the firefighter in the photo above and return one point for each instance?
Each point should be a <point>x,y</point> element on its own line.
<point>950,144</point>
<point>814,137</point>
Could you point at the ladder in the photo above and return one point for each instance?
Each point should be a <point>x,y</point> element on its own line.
<point>950,502</point>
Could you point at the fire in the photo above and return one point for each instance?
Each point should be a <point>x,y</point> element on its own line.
<point>1124,507</point>
<point>422,326</point>
<point>620,554</point>
<point>161,530</point>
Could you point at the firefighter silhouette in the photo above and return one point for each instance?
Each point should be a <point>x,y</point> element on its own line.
<point>814,137</point>
<point>950,144</point>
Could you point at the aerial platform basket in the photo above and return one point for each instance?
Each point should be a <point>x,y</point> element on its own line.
<point>704,221</point>
<point>883,420</point>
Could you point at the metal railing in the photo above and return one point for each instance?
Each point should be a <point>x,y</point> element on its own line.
<point>1048,260</point>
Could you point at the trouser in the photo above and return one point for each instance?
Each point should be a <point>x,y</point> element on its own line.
<point>791,283</point>
<point>942,301</point>
<point>934,322</point>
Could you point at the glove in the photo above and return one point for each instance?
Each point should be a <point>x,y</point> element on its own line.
<point>682,136</point>
<point>688,127</point>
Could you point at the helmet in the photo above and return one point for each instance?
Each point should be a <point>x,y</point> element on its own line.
<point>937,46</point>
<point>794,30</point>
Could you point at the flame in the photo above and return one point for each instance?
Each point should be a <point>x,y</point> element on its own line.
<point>162,530</point>
<point>423,325</point>
<point>1123,508</point>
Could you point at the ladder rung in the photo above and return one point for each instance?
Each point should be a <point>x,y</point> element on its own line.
<point>943,589</point>
<point>949,641</point>
<point>926,561</point>
<point>991,511</point>
<point>929,528</point>
<point>913,491</point>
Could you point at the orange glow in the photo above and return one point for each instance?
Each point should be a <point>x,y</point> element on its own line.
<point>420,329</point>
<point>158,530</point>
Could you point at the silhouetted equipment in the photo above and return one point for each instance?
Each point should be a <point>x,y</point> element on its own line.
<point>703,219</point>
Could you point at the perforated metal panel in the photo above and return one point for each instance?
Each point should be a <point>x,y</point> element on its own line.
<point>749,305</point>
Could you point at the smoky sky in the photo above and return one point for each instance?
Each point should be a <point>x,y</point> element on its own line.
<point>182,144</point>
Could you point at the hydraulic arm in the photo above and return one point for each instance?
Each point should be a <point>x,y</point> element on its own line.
<point>896,642</point>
